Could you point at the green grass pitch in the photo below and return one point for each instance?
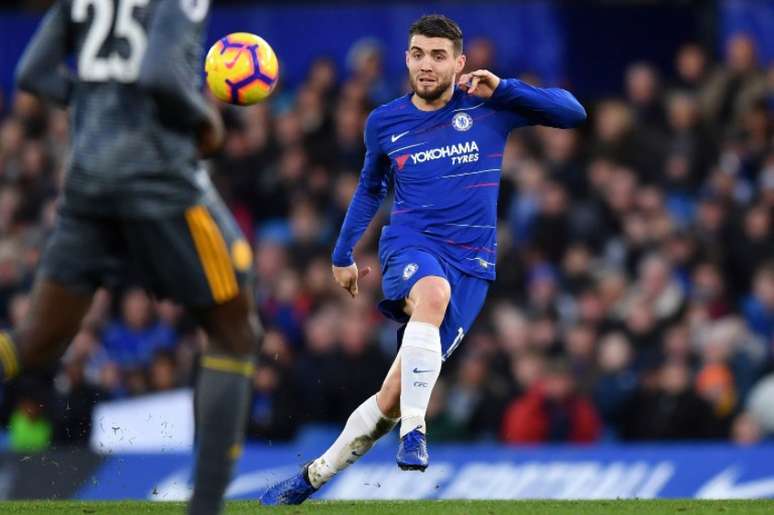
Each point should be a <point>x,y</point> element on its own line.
<point>676,507</point>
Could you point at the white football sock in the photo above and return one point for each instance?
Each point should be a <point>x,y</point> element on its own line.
<point>420,365</point>
<point>364,427</point>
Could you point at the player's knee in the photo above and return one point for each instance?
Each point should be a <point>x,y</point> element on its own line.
<point>244,337</point>
<point>234,328</point>
<point>433,295</point>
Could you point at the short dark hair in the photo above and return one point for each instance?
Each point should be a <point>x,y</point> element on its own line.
<point>438,26</point>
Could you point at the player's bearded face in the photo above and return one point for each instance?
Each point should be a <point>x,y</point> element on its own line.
<point>431,87</point>
<point>432,66</point>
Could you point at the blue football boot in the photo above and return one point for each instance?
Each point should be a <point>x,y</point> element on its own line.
<point>293,490</point>
<point>412,453</point>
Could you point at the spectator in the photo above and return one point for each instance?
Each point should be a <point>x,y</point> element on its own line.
<point>365,63</point>
<point>759,307</point>
<point>691,68</point>
<point>617,381</point>
<point>732,89</point>
<point>480,54</point>
<point>363,361</point>
<point>657,287</point>
<point>668,409</point>
<point>690,150</point>
<point>316,371</point>
<point>715,384</point>
<point>643,91</point>
<point>746,430</point>
<point>551,227</point>
<point>439,420</point>
<point>551,411</point>
<point>580,347</point>
<point>132,339</point>
<point>162,372</point>
<point>474,402</point>
<point>272,408</point>
<point>754,245</point>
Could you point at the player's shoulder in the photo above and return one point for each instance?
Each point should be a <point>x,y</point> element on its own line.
<point>185,11</point>
<point>389,111</point>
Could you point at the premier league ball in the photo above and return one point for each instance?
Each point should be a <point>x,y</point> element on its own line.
<point>241,68</point>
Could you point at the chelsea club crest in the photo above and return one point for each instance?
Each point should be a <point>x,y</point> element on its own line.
<point>462,121</point>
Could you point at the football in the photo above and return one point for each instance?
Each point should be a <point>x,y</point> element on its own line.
<point>241,69</point>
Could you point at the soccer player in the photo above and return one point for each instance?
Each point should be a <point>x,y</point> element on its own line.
<point>442,147</point>
<point>136,199</point>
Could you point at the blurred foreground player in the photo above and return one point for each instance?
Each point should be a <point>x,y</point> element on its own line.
<point>442,147</point>
<point>137,201</point>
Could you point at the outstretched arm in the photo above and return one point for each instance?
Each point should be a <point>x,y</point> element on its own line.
<point>554,107</point>
<point>370,192</point>
<point>42,70</point>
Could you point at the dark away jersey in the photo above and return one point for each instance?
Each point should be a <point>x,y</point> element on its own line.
<point>134,99</point>
<point>445,166</point>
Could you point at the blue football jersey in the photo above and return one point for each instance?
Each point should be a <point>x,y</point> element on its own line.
<point>445,169</point>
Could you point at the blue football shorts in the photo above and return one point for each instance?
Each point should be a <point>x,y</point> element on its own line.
<point>403,268</point>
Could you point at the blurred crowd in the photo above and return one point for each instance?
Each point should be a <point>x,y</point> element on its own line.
<point>635,290</point>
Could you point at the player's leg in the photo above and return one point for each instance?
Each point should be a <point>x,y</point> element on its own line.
<point>420,350</point>
<point>427,305</point>
<point>53,319</point>
<point>200,259</point>
<point>421,359</point>
<point>374,418</point>
<point>379,414</point>
<point>74,257</point>
<point>408,279</point>
<point>222,395</point>
<point>370,421</point>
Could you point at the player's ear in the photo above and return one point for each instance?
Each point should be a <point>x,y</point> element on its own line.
<point>407,58</point>
<point>460,64</point>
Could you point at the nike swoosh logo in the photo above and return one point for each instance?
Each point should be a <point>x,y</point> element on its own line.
<point>236,58</point>
<point>396,137</point>
<point>417,371</point>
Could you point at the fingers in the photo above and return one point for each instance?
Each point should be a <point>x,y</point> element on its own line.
<point>482,74</point>
<point>347,279</point>
<point>474,84</point>
<point>352,286</point>
<point>464,81</point>
<point>349,283</point>
<point>469,81</point>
